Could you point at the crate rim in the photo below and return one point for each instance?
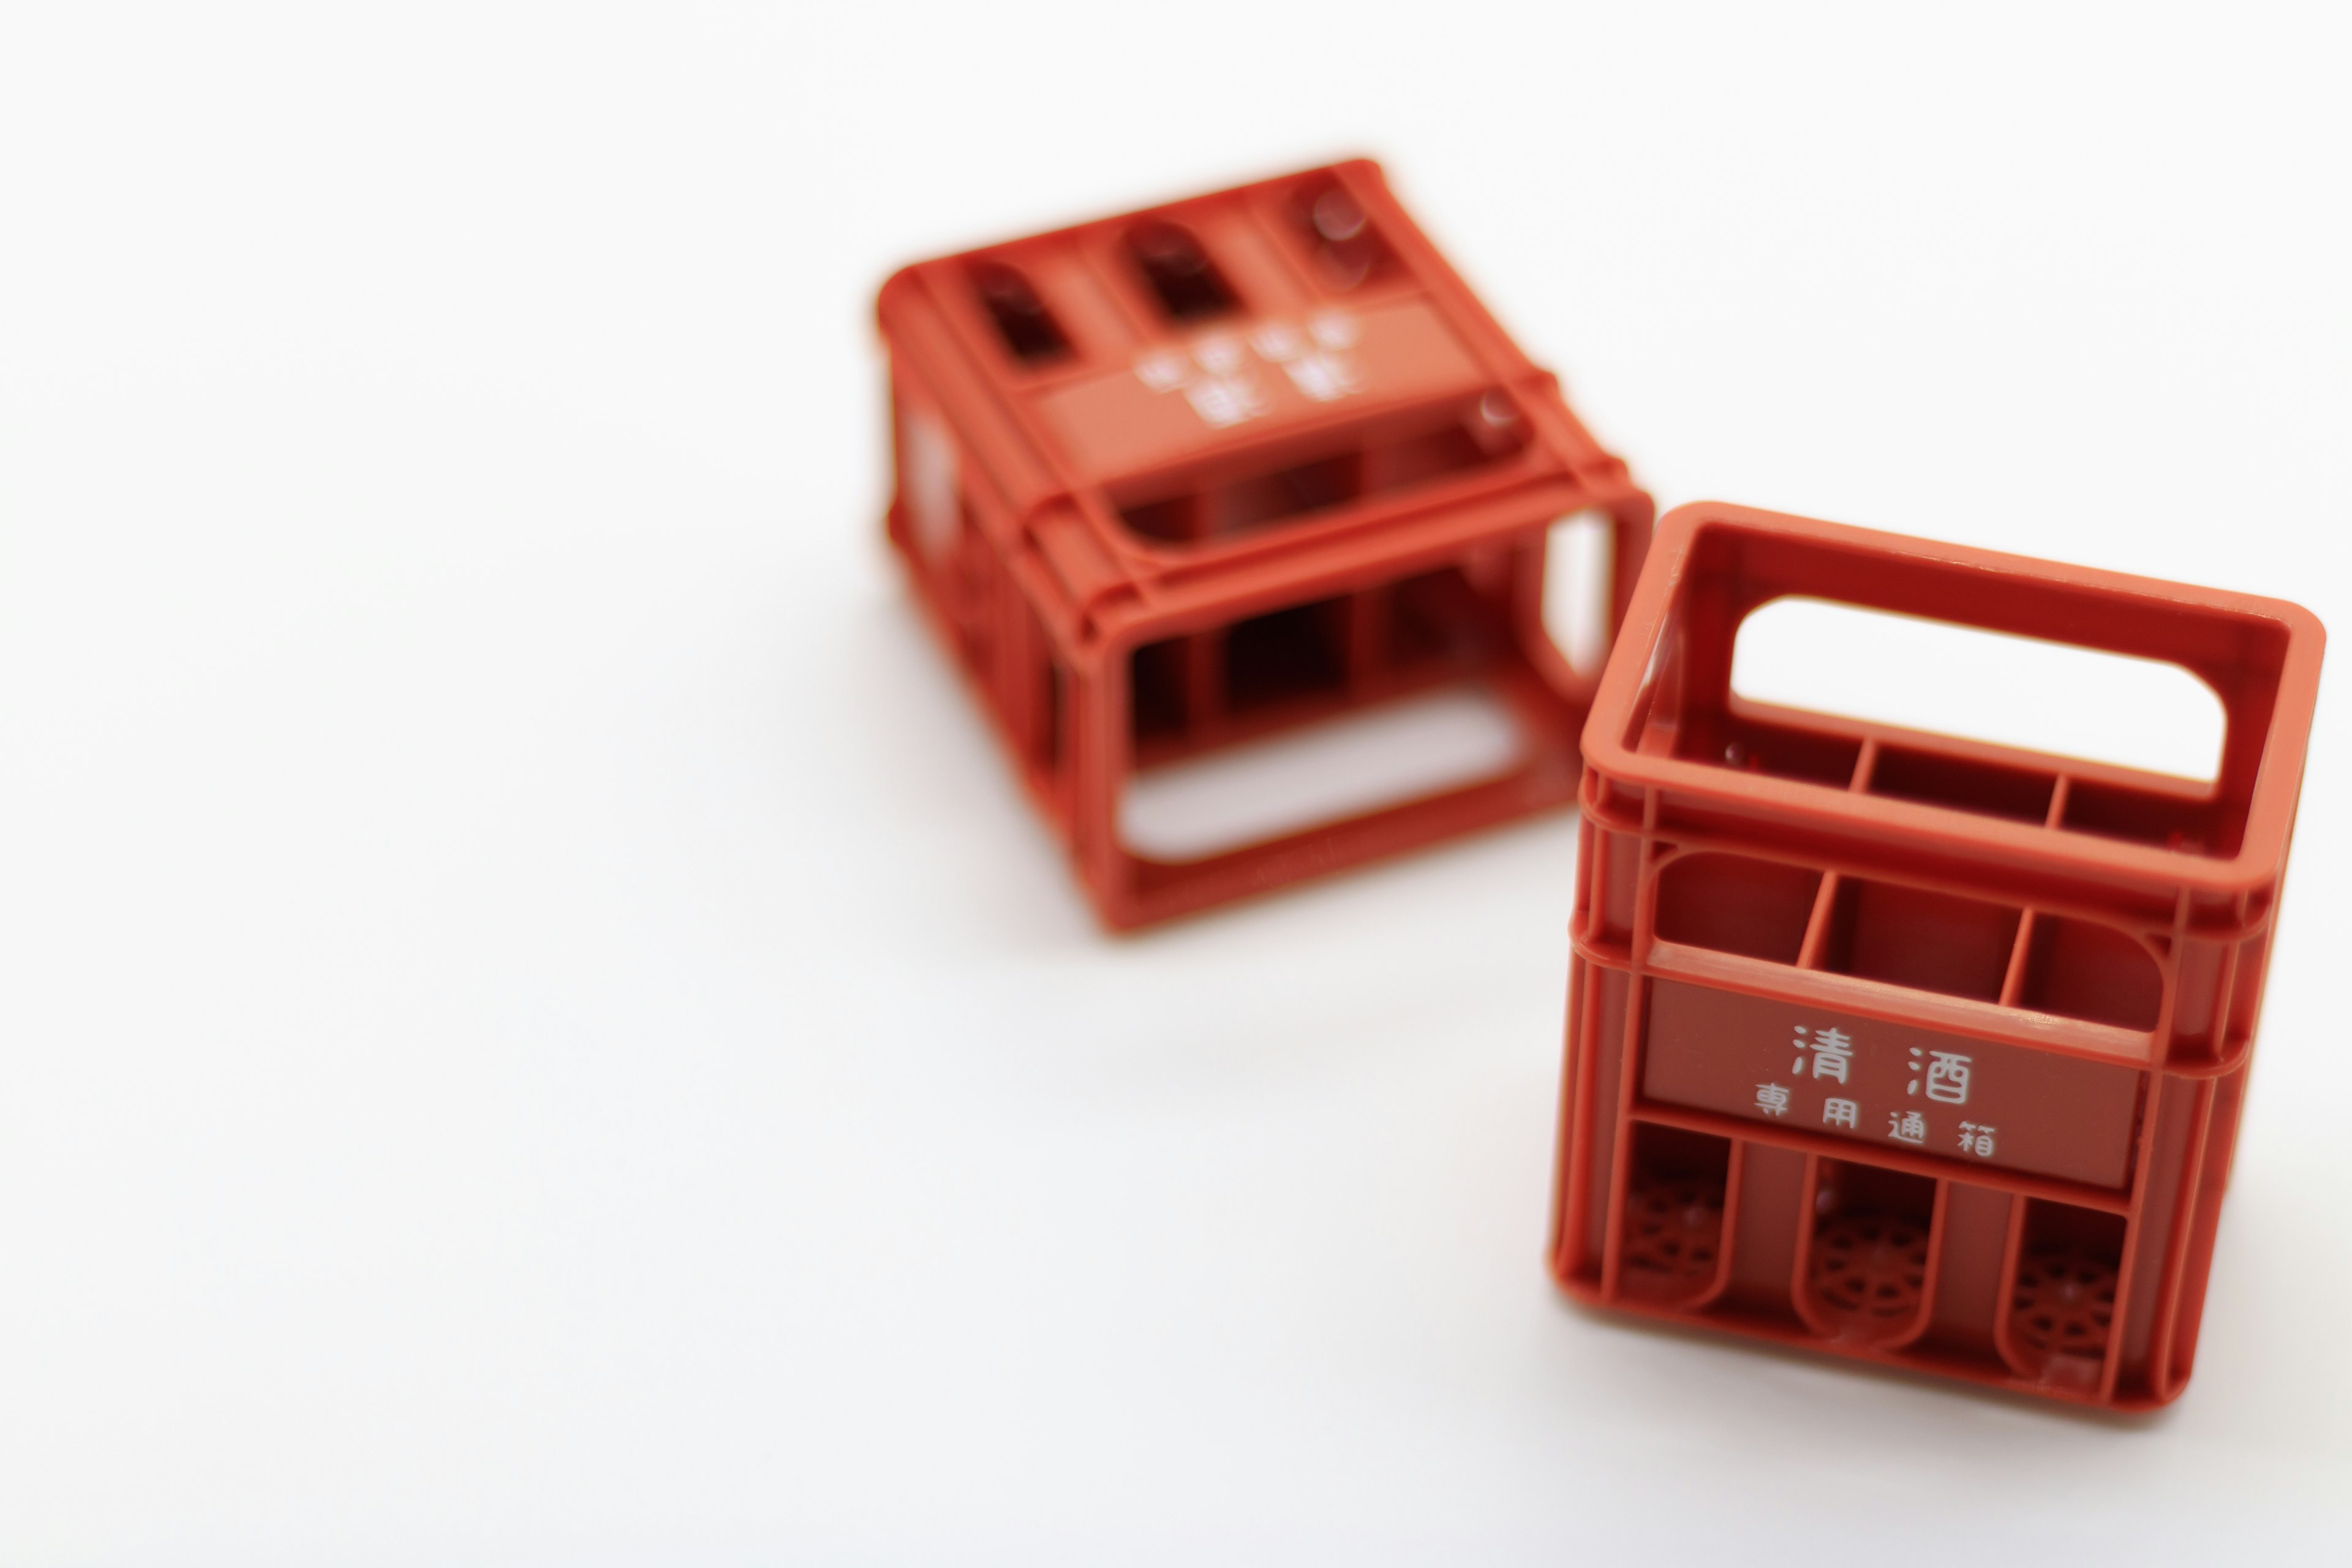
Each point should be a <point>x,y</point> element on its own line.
<point>2270,812</point>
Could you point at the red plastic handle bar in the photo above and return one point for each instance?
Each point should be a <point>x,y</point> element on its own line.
<point>1712,565</point>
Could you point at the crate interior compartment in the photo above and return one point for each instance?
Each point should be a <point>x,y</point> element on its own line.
<point>2062,1293</point>
<point>1966,783</point>
<point>1735,903</point>
<point>1290,665</point>
<point>1865,1268</point>
<point>1294,483</point>
<point>1916,937</point>
<point>1920,938</point>
<point>1753,745</point>
<point>2188,823</point>
<point>2080,969</point>
<point>1178,273</point>
<point>2177,817</point>
<point>1025,323</point>
<point>1670,1248</point>
<point>1344,248</point>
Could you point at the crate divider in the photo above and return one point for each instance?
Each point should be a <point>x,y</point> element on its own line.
<point>1972,1258</point>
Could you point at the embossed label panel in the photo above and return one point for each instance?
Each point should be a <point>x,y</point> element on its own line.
<point>1890,1084</point>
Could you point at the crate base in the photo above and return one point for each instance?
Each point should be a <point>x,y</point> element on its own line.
<point>1998,1278</point>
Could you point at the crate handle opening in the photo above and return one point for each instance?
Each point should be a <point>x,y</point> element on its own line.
<point>1824,657</point>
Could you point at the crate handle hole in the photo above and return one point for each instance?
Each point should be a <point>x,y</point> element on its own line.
<point>1829,658</point>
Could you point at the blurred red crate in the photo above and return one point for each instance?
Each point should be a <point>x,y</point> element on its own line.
<point>1176,481</point>
<point>1906,1047</point>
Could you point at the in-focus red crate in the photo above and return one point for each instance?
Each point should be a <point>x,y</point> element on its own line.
<point>1906,1047</point>
<point>1184,479</point>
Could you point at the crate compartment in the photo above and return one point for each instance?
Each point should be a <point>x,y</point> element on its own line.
<point>1964,784</point>
<point>1251,463</point>
<point>1030,331</point>
<point>1746,743</point>
<point>1865,1265</point>
<point>2180,822</point>
<point>1287,655</point>
<point>1919,938</point>
<point>1737,903</point>
<point>1670,1245</point>
<point>2062,1307</point>
<point>1974,1020</point>
<point>2080,969</point>
<point>1343,244</point>
<point>1179,273</point>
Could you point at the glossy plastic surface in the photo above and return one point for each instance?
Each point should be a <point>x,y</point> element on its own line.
<point>1904,1047</point>
<point>1172,482</point>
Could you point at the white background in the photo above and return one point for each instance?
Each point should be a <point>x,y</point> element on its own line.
<point>534,1026</point>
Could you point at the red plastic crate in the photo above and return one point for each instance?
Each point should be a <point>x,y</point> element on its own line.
<point>1185,479</point>
<point>1904,1047</point>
